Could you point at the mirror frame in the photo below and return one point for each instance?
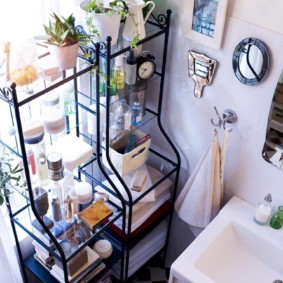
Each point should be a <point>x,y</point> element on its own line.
<point>265,64</point>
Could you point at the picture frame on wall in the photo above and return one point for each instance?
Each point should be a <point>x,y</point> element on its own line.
<point>204,21</point>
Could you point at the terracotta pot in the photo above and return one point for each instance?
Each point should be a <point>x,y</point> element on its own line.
<point>66,56</point>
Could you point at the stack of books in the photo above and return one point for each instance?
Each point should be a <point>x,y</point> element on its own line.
<point>90,269</point>
<point>43,256</point>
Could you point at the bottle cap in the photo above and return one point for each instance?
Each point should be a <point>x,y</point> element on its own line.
<point>54,160</point>
<point>268,198</point>
<point>51,99</point>
<point>131,58</point>
<point>55,166</point>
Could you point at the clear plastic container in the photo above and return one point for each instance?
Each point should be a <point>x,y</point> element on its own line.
<point>122,115</point>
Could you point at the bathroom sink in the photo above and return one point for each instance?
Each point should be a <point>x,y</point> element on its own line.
<point>233,248</point>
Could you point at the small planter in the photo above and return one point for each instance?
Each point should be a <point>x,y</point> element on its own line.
<point>106,23</point>
<point>65,56</point>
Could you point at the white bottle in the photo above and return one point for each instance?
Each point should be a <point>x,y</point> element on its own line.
<point>131,68</point>
<point>263,211</point>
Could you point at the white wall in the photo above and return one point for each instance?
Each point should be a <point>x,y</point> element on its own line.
<point>187,118</point>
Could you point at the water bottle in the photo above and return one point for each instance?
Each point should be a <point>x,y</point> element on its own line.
<point>136,111</point>
<point>122,116</point>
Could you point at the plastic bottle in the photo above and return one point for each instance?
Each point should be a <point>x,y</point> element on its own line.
<point>69,209</point>
<point>131,68</point>
<point>56,174</point>
<point>136,112</point>
<point>119,74</point>
<point>122,116</point>
<point>263,211</point>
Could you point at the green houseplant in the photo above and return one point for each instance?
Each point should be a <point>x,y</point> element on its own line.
<point>63,39</point>
<point>106,18</point>
<point>8,173</point>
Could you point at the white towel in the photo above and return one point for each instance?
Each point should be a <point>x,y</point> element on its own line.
<point>201,198</point>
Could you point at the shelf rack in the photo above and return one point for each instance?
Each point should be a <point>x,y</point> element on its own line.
<point>157,26</point>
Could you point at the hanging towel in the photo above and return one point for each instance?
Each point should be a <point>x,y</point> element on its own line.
<point>201,198</point>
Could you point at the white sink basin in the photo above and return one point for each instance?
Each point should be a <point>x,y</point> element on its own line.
<point>233,249</point>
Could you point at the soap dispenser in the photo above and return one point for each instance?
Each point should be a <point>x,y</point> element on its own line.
<point>263,211</point>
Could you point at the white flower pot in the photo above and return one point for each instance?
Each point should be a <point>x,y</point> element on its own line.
<point>106,24</point>
<point>65,56</point>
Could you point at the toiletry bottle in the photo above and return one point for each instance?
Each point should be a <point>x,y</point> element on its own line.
<point>42,168</point>
<point>263,211</point>
<point>276,220</point>
<point>69,209</point>
<point>136,111</point>
<point>119,74</point>
<point>56,175</point>
<point>56,209</point>
<point>122,116</point>
<point>131,68</point>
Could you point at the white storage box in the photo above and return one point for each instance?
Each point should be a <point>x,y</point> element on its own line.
<point>127,162</point>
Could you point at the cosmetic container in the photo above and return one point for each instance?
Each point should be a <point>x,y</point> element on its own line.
<point>276,220</point>
<point>263,211</point>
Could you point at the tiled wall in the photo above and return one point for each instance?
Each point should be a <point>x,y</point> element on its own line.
<point>187,118</point>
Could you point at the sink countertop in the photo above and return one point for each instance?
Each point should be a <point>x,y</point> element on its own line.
<point>235,211</point>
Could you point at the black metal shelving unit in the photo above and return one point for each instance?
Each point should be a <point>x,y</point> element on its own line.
<point>156,27</point>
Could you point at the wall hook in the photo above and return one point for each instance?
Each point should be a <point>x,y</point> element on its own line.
<point>228,116</point>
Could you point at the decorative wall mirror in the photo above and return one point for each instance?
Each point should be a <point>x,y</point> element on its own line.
<point>201,70</point>
<point>251,61</point>
<point>273,147</point>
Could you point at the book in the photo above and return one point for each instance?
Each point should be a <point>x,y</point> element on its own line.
<point>93,260</point>
<point>94,214</point>
<point>46,265</point>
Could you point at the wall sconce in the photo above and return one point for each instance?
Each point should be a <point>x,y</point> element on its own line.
<point>201,70</point>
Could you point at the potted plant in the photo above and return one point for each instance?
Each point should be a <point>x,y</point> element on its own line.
<point>105,17</point>
<point>63,39</point>
<point>8,173</point>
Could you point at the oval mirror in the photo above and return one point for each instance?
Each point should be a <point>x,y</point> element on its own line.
<point>250,61</point>
<point>273,147</point>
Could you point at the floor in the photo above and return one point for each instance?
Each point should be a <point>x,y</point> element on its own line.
<point>153,272</point>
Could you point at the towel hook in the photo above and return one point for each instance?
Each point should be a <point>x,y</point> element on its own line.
<point>228,116</point>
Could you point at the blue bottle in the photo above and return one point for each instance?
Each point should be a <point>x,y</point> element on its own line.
<point>136,111</point>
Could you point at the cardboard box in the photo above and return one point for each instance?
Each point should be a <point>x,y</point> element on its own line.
<point>127,162</point>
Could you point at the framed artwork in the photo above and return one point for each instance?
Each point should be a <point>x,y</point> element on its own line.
<point>204,21</point>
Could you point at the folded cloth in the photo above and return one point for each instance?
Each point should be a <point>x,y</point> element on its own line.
<point>141,215</point>
<point>144,250</point>
<point>201,198</point>
<point>162,211</point>
<point>154,174</point>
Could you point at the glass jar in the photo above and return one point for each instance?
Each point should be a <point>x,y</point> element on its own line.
<point>53,116</point>
<point>33,132</point>
<point>263,211</point>
<point>276,220</point>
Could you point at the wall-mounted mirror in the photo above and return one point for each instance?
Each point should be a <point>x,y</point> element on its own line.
<point>273,147</point>
<point>250,61</point>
